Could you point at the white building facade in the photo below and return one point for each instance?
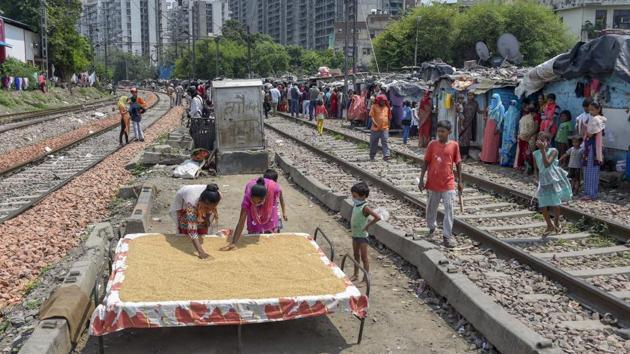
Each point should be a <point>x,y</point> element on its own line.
<point>24,43</point>
<point>601,14</point>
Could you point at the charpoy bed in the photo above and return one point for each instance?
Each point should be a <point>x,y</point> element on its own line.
<point>157,281</point>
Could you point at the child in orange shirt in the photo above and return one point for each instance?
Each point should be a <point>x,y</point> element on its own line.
<point>439,159</point>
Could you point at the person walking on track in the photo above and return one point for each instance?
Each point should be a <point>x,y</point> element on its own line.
<point>381,114</point>
<point>439,159</point>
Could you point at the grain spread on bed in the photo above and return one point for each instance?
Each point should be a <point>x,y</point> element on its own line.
<point>165,268</point>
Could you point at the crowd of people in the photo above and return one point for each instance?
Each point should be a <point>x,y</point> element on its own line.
<point>534,136</point>
<point>510,138</point>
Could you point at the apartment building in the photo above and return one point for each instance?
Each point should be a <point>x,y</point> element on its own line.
<point>132,26</point>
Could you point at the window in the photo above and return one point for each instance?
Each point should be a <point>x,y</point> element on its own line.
<point>621,19</point>
<point>600,19</point>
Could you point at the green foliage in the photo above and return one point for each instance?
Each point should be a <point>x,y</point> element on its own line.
<point>68,51</point>
<point>447,33</point>
<point>268,57</point>
<point>435,26</point>
<point>14,67</point>
<point>128,66</point>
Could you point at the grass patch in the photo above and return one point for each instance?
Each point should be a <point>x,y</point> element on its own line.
<point>32,304</point>
<point>31,286</point>
<point>337,136</point>
<point>4,324</point>
<point>600,241</point>
<point>40,105</point>
<point>6,100</point>
<point>46,269</point>
<point>162,138</point>
<point>363,146</point>
<point>138,169</point>
<point>538,217</point>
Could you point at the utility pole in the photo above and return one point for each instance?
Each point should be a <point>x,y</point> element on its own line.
<point>249,53</point>
<point>345,48</point>
<point>354,43</point>
<point>194,31</point>
<point>216,64</point>
<point>158,15</point>
<point>43,24</point>
<point>106,4</point>
<point>415,54</point>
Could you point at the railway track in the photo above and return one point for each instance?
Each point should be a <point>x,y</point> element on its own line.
<point>593,268</point>
<point>22,119</point>
<point>25,185</point>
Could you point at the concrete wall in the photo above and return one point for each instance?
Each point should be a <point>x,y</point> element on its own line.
<point>16,37</point>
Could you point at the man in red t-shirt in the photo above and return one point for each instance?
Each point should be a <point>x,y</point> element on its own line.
<point>439,159</point>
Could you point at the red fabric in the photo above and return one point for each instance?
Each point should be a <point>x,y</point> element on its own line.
<point>549,124</point>
<point>441,159</point>
<point>321,109</point>
<point>524,155</point>
<point>491,143</point>
<point>424,115</point>
<point>333,105</point>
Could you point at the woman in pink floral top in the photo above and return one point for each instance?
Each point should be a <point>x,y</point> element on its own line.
<point>259,209</point>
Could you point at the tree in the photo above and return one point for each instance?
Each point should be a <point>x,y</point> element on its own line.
<point>128,66</point>
<point>484,22</point>
<point>68,51</point>
<point>435,26</point>
<point>447,33</point>
<point>540,31</point>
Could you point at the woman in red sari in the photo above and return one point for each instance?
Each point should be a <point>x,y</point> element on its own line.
<point>424,115</point>
<point>333,103</point>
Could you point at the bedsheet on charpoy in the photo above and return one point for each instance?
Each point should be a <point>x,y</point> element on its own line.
<point>115,314</point>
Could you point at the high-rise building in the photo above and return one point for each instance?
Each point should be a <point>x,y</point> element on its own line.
<point>196,18</point>
<point>307,23</point>
<point>132,26</point>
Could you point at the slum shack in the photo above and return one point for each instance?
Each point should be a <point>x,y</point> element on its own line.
<point>451,91</point>
<point>599,70</point>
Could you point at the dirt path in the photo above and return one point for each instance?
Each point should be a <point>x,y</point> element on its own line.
<point>397,322</point>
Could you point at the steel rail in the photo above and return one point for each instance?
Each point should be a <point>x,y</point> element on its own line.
<point>67,180</point>
<point>579,289</point>
<point>29,118</point>
<point>615,229</point>
<point>68,145</point>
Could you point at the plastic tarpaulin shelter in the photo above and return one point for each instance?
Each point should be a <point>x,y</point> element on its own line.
<point>600,58</point>
<point>432,71</point>
<point>406,89</point>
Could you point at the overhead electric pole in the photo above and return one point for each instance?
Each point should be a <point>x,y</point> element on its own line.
<point>345,48</point>
<point>354,43</point>
<point>43,24</point>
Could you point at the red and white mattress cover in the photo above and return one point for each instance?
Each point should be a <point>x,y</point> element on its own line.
<point>115,315</point>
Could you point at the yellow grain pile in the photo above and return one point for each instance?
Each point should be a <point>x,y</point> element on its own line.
<point>166,268</point>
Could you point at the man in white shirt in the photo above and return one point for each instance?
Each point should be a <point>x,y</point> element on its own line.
<point>196,106</point>
<point>275,99</point>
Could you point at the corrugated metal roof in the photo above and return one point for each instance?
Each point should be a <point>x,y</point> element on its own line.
<point>17,24</point>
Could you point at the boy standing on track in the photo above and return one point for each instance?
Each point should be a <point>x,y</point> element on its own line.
<point>439,159</point>
<point>359,224</point>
